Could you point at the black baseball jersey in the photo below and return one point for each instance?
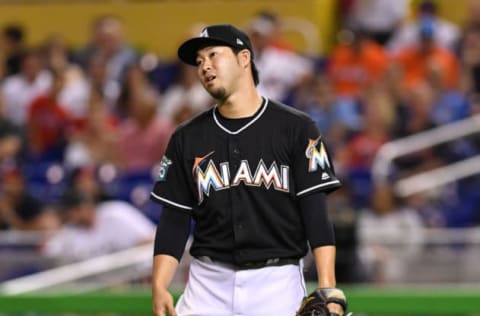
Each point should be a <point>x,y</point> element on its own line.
<point>241,186</point>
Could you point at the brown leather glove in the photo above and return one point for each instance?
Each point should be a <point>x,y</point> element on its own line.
<point>316,303</point>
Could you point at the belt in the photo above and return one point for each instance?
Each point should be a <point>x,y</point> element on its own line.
<point>274,262</point>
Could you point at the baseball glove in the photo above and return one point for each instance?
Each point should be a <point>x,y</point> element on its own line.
<point>316,303</point>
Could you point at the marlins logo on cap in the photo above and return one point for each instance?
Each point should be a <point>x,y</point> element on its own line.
<point>215,35</point>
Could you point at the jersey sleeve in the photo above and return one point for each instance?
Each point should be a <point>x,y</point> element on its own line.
<point>312,169</point>
<point>171,182</point>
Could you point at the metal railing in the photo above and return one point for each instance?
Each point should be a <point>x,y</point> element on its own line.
<point>382,164</point>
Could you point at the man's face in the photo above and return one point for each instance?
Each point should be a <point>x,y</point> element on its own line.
<point>31,66</point>
<point>218,69</point>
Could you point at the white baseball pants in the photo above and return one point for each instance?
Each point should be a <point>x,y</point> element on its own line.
<point>214,289</point>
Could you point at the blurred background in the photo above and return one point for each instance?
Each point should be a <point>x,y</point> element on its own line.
<point>90,92</point>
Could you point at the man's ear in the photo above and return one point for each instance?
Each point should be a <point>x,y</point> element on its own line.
<point>245,58</point>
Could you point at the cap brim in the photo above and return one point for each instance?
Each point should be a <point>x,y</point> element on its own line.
<point>187,52</point>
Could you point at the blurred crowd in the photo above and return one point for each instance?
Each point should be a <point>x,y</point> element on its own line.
<point>82,130</point>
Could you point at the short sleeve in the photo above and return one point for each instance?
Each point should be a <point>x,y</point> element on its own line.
<point>171,182</point>
<point>312,168</point>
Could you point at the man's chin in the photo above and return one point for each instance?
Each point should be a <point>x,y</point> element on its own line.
<point>217,94</point>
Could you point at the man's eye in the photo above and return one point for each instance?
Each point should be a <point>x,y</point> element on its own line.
<point>213,54</point>
<point>198,62</point>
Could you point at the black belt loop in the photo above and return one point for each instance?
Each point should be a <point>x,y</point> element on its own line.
<point>274,262</point>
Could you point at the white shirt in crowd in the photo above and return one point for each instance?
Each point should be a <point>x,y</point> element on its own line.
<point>118,226</point>
<point>379,15</point>
<point>75,95</point>
<point>279,71</point>
<point>445,34</point>
<point>178,96</point>
<point>18,94</point>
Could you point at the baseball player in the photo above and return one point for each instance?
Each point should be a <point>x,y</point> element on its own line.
<point>253,174</point>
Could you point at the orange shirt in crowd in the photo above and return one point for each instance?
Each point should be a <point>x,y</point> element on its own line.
<point>416,65</point>
<point>352,70</point>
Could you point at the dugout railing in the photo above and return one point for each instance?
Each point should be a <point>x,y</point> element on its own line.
<point>383,162</point>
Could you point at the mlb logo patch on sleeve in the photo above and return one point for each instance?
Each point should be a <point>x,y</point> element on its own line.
<point>164,165</point>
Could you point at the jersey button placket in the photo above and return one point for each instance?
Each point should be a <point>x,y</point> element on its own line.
<point>238,226</point>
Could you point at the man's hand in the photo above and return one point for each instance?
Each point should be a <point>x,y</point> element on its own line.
<point>163,303</point>
<point>164,267</point>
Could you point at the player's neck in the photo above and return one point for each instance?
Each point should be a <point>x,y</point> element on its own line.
<point>241,104</point>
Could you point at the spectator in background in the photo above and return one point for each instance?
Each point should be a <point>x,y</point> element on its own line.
<point>416,60</point>
<point>48,124</point>
<point>392,82</point>
<point>86,181</point>
<point>143,135</point>
<point>419,104</point>
<point>186,94</point>
<point>428,207</point>
<point>108,41</point>
<point>418,118</point>
<point>449,104</point>
<point>18,91</point>
<point>469,54</point>
<point>74,95</point>
<point>355,157</point>
<point>446,34</point>
<point>93,141</point>
<point>12,186</point>
<point>34,215</point>
<point>336,117</point>
<point>389,235</point>
<point>11,141</point>
<point>355,63</point>
<point>94,229</point>
<point>472,14</point>
<point>377,120</point>
<point>377,18</point>
<point>270,25</point>
<point>96,75</point>
<point>12,47</point>
<point>281,71</point>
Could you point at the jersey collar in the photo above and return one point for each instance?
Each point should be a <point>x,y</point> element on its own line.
<point>253,120</point>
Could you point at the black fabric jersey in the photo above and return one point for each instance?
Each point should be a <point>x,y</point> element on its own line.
<point>241,186</point>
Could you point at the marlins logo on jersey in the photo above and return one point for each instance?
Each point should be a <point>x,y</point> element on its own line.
<point>219,177</point>
<point>317,157</point>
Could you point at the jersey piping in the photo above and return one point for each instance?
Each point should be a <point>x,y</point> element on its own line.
<point>265,103</point>
<point>317,186</point>
<point>171,202</point>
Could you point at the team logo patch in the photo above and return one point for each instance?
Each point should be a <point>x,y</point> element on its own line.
<point>164,165</point>
<point>317,157</point>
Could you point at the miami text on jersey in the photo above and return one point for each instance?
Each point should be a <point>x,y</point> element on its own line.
<point>316,157</point>
<point>219,178</point>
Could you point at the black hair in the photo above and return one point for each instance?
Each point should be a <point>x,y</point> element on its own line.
<point>14,33</point>
<point>28,208</point>
<point>255,76</point>
<point>72,199</point>
<point>428,6</point>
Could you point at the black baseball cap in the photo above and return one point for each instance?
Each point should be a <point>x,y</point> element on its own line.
<point>214,35</point>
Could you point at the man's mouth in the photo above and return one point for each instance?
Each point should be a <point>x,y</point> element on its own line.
<point>210,78</point>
